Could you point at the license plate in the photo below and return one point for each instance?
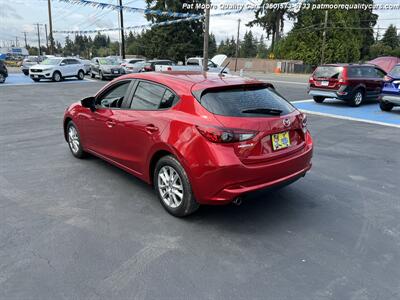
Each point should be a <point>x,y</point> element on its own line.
<point>115,72</point>
<point>35,76</point>
<point>324,83</point>
<point>280,140</point>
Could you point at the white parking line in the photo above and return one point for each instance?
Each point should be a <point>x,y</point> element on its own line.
<point>302,101</point>
<point>349,118</point>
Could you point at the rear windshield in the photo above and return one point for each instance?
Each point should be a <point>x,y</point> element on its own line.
<point>328,72</point>
<point>235,101</point>
<point>395,72</point>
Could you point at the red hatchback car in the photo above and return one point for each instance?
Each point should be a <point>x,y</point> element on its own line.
<point>199,138</point>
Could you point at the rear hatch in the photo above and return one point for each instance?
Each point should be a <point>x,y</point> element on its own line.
<point>259,109</point>
<point>327,77</point>
<point>392,82</point>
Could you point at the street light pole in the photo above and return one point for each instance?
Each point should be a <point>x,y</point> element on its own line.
<point>121,20</point>
<point>50,28</point>
<point>206,35</point>
<point>237,45</point>
<point>38,34</point>
<point>324,38</point>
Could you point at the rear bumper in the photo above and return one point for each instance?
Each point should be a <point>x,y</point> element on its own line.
<point>224,183</point>
<point>341,94</point>
<point>395,99</point>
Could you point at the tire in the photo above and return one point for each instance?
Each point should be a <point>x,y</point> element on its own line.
<point>168,191</point>
<point>25,73</point>
<point>101,75</point>
<point>2,78</point>
<point>74,140</point>
<point>56,76</point>
<point>319,99</point>
<point>92,75</point>
<point>358,98</point>
<point>386,106</point>
<point>36,79</point>
<point>81,75</point>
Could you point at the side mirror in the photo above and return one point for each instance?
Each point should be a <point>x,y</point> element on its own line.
<point>88,102</point>
<point>62,64</point>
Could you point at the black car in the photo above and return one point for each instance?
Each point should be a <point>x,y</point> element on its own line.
<point>3,72</point>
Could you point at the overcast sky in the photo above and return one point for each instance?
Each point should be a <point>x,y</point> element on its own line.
<point>18,16</point>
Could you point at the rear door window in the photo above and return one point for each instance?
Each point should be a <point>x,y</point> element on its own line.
<point>328,72</point>
<point>246,102</point>
<point>355,72</point>
<point>147,96</point>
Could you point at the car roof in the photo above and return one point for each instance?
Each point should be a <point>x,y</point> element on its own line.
<point>186,81</point>
<point>348,65</point>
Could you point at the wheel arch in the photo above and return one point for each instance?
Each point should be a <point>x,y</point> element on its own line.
<point>66,121</point>
<point>153,162</point>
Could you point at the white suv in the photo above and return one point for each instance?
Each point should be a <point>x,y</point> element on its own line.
<point>57,68</point>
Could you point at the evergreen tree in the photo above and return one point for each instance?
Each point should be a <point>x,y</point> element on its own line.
<point>390,37</point>
<point>248,47</point>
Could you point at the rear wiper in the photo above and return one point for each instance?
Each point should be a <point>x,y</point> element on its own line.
<point>264,111</point>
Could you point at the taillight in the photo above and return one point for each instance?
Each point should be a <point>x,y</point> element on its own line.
<point>387,78</point>
<point>311,79</point>
<point>303,118</point>
<point>343,80</point>
<point>225,135</point>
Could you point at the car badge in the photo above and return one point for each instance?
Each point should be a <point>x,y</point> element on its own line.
<point>286,122</point>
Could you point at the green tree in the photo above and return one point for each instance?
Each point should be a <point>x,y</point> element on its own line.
<point>262,50</point>
<point>271,19</point>
<point>173,41</point>
<point>212,45</point>
<point>390,37</point>
<point>345,41</point>
<point>248,47</point>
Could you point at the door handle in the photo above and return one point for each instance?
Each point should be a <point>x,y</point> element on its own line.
<point>151,128</point>
<point>110,123</point>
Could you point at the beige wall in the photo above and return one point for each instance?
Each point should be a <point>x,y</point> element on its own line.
<point>260,65</point>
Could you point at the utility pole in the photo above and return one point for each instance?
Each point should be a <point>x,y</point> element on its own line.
<point>51,28</point>
<point>324,38</point>
<point>237,45</point>
<point>47,39</point>
<point>377,34</point>
<point>26,44</point>
<point>16,41</point>
<point>206,34</point>
<point>121,20</point>
<point>38,34</point>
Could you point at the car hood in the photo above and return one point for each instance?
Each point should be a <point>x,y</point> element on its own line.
<point>110,66</point>
<point>41,67</point>
<point>219,59</point>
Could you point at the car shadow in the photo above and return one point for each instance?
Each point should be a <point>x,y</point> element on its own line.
<point>339,103</point>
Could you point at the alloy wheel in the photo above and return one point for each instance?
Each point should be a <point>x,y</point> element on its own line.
<point>2,79</point>
<point>73,139</point>
<point>57,77</point>
<point>358,98</point>
<point>170,186</point>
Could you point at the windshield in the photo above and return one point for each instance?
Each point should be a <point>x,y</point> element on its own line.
<point>108,61</point>
<point>51,61</point>
<point>328,72</point>
<point>246,102</point>
<point>139,64</point>
<point>395,72</point>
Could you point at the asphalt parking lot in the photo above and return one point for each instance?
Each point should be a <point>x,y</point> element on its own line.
<point>83,229</point>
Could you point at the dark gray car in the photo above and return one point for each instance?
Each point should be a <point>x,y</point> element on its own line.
<point>105,68</point>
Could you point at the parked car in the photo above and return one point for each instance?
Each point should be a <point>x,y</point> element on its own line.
<point>135,68</point>
<point>86,64</point>
<point>198,138</point>
<point>57,69</point>
<point>150,65</point>
<point>3,71</point>
<point>29,62</point>
<point>130,66</point>
<point>196,64</point>
<point>390,96</point>
<point>386,63</point>
<point>352,83</point>
<point>105,68</point>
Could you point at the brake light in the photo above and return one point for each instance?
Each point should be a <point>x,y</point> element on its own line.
<point>311,79</point>
<point>226,135</point>
<point>343,80</point>
<point>303,118</point>
<point>387,78</point>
